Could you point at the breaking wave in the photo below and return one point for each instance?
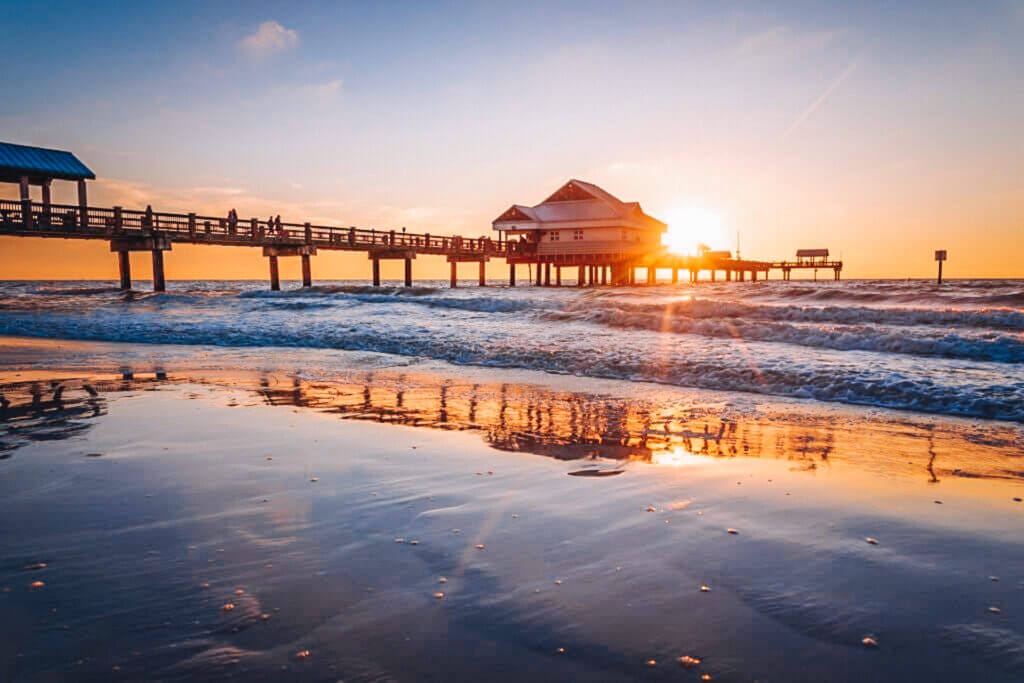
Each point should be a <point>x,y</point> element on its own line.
<point>964,360</point>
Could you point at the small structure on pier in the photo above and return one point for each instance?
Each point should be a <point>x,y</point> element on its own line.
<point>579,225</point>
<point>29,166</point>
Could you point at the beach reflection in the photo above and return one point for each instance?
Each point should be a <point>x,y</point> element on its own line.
<point>564,425</point>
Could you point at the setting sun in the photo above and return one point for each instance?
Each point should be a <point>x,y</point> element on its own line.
<point>691,226</point>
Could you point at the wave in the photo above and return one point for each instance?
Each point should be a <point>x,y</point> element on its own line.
<point>841,377</point>
<point>709,321</point>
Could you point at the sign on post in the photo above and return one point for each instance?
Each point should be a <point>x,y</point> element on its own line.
<point>940,256</point>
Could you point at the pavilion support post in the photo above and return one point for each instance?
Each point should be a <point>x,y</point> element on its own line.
<point>124,267</point>
<point>511,275</point>
<point>558,276</point>
<point>376,272</point>
<point>483,273</point>
<point>26,202</point>
<point>753,276</point>
<point>581,278</point>
<point>652,275</point>
<point>275,275</point>
<point>307,272</point>
<point>454,274</point>
<point>547,274</point>
<point>604,275</point>
<point>538,282</point>
<point>46,196</point>
<point>408,272</point>
<point>714,274</point>
<point>83,205</point>
<point>675,275</point>
<point>159,285</point>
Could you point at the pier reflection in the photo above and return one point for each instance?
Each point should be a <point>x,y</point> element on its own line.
<point>566,425</point>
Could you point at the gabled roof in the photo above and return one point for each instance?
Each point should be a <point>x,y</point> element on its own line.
<point>579,201</point>
<point>39,163</point>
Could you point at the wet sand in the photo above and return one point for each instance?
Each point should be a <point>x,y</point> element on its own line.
<point>159,485</point>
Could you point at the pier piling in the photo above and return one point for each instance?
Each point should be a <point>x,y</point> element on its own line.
<point>307,273</point>
<point>275,278</point>
<point>124,266</point>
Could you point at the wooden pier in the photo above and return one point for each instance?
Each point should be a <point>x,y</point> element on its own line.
<point>130,231</point>
<point>596,258</point>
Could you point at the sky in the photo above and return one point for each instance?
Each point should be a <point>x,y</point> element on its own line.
<point>881,130</point>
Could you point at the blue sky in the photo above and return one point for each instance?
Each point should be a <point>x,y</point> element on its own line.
<point>866,126</point>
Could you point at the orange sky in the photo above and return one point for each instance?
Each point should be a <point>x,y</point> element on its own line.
<point>879,132</point>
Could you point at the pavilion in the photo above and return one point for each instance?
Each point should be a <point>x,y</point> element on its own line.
<point>29,166</point>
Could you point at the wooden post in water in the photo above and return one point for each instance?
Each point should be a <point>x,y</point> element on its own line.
<point>483,273</point>
<point>124,266</point>
<point>408,272</point>
<point>511,274</point>
<point>275,277</point>
<point>376,272</point>
<point>159,285</point>
<point>547,274</point>
<point>581,277</point>
<point>558,276</point>
<point>940,256</point>
<point>307,272</point>
<point>455,274</point>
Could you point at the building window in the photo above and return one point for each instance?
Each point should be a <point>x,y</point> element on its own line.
<point>554,236</point>
<point>577,234</point>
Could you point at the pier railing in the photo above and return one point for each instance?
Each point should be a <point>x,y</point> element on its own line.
<point>63,220</point>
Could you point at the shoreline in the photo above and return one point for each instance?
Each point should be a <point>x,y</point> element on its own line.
<point>153,501</point>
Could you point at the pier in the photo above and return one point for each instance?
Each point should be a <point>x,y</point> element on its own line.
<point>594,259</point>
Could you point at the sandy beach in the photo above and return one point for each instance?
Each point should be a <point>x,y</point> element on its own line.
<point>196,518</point>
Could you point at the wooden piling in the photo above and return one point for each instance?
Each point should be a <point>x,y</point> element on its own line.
<point>275,278</point>
<point>159,285</point>
<point>483,273</point>
<point>307,273</point>
<point>454,274</point>
<point>511,275</point>
<point>124,266</point>
<point>558,276</point>
<point>408,272</point>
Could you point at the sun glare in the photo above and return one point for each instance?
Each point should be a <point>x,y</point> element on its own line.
<point>689,227</point>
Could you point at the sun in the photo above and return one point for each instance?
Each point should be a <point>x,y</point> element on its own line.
<point>689,227</point>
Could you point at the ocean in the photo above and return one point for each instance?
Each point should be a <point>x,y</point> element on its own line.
<point>955,349</point>
<point>737,482</point>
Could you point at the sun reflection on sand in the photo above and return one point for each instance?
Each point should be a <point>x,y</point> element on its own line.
<point>564,425</point>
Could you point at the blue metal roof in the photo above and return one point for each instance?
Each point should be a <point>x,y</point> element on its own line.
<point>38,163</point>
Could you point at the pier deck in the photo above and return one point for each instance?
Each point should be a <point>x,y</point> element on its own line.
<point>132,230</point>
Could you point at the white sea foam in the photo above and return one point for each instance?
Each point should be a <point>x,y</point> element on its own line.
<point>935,354</point>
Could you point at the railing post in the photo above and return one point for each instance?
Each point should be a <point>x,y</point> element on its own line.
<point>118,219</point>
<point>26,203</point>
<point>192,224</point>
<point>83,205</point>
<point>309,233</point>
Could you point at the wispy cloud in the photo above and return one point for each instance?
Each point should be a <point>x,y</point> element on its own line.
<point>785,43</point>
<point>832,87</point>
<point>323,90</point>
<point>269,37</point>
